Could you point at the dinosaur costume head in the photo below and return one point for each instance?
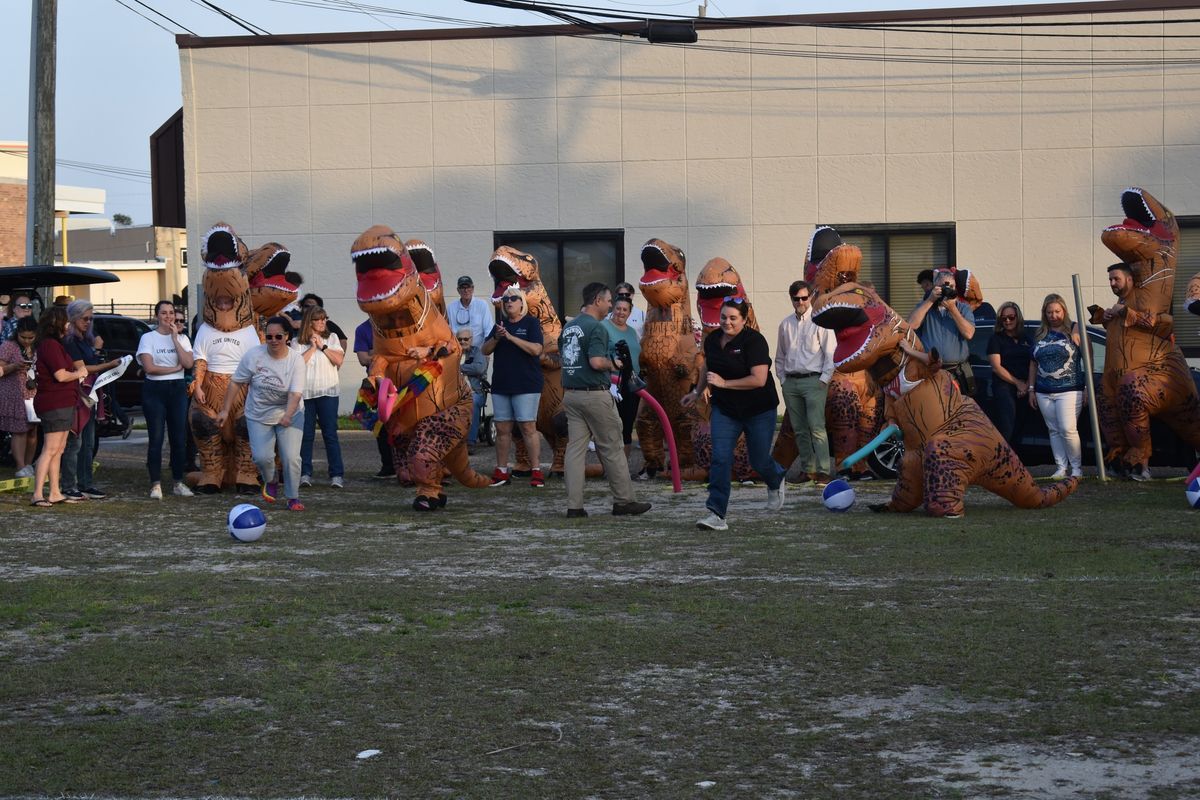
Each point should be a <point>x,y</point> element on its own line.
<point>664,274</point>
<point>272,287</point>
<point>227,304</point>
<point>829,261</point>
<point>965,283</point>
<point>511,267</point>
<point>868,331</point>
<point>428,271</point>
<point>1147,240</point>
<point>387,276</point>
<point>715,282</point>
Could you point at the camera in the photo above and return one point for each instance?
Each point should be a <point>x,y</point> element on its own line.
<point>945,293</point>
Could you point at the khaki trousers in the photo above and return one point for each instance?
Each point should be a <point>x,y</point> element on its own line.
<point>593,416</point>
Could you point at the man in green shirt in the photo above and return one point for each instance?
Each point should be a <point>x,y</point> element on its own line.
<point>591,408</point>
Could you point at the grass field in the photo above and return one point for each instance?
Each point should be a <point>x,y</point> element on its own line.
<point>497,649</point>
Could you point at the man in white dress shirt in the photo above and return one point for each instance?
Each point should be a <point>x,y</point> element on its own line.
<point>804,362</point>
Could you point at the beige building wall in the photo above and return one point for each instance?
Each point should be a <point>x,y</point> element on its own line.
<point>737,154</point>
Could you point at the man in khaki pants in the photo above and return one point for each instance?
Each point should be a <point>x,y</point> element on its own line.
<point>804,362</point>
<point>591,409</point>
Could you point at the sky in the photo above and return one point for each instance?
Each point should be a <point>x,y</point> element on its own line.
<point>118,72</point>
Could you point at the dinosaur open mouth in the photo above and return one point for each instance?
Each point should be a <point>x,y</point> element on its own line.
<point>427,268</point>
<point>380,273</point>
<point>275,275</point>
<point>653,276</point>
<point>1139,217</point>
<point>852,326</point>
<point>505,275</point>
<point>710,297</point>
<point>220,249</point>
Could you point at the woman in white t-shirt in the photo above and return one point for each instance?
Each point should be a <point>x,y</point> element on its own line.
<point>164,354</point>
<point>323,356</point>
<point>274,416</point>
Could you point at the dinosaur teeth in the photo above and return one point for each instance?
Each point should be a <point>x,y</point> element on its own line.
<point>369,251</point>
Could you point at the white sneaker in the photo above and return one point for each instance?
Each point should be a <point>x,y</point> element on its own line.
<point>306,480</point>
<point>337,482</point>
<point>156,492</point>
<point>181,490</point>
<point>775,497</point>
<point>25,471</point>
<point>1140,474</point>
<point>1077,473</point>
<point>712,523</point>
<point>1058,475</point>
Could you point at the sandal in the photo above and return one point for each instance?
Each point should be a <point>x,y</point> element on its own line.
<point>41,503</point>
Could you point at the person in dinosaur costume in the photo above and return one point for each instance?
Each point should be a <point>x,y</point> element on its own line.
<point>272,287</point>
<point>227,333</point>
<point>1145,373</point>
<point>418,353</point>
<point>509,266</point>
<point>949,442</point>
<point>670,360</point>
<point>428,271</point>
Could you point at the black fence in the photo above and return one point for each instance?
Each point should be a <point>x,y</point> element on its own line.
<point>142,311</point>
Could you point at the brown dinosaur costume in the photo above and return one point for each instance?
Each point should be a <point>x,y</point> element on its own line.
<point>949,442</point>
<point>509,267</point>
<point>416,350</point>
<point>1145,374</point>
<point>272,287</point>
<point>428,271</point>
<point>224,451</point>
<point>670,359</point>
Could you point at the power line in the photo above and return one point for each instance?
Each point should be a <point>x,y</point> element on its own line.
<point>143,16</point>
<point>127,173</point>
<point>236,20</point>
<point>164,16</point>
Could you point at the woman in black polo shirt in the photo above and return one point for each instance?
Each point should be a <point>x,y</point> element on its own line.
<point>1009,350</point>
<point>737,373</point>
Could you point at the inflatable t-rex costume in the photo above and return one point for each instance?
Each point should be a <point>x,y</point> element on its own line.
<point>949,442</point>
<point>509,266</point>
<point>1145,374</point>
<point>416,350</point>
<point>428,271</point>
<point>224,451</point>
<point>670,360</point>
<point>272,287</point>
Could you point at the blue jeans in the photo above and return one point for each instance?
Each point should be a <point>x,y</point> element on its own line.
<point>76,464</point>
<point>479,398</point>
<point>759,430</point>
<point>323,410</point>
<point>164,405</point>
<point>264,439</point>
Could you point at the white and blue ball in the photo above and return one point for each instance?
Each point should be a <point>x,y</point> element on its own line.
<point>1193,493</point>
<point>246,522</point>
<point>838,495</point>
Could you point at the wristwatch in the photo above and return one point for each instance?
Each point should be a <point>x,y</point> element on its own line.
<point>324,347</point>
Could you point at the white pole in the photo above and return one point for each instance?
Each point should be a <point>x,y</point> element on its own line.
<point>1089,380</point>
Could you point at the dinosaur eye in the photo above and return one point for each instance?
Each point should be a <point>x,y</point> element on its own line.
<point>859,291</point>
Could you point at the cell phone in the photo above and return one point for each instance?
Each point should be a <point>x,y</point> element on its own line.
<point>495,332</point>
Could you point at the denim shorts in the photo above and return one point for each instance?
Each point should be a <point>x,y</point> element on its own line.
<point>521,407</point>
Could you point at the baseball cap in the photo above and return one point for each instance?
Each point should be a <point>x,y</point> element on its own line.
<point>465,280</point>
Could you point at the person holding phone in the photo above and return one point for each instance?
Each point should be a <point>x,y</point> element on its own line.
<point>517,380</point>
<point>16,389</point>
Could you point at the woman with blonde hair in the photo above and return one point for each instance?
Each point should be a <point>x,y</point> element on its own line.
<point>517,383</point>
<point>1056,378</point>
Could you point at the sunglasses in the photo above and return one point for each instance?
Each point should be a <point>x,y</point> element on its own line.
<point>464,341</point>
<point>796,298</point>
<point>509,299</point>
<point>273,337</point>
<point>24,305</point>
<point>1007,317</point>
<point>624,296</point>
<point>732,299</point>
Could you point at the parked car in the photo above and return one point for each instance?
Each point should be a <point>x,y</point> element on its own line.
<point>1033,446</point>
<point>121,335</point>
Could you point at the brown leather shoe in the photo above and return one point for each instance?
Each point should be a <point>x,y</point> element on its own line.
<point>820,479</point>
<point>630,509</point>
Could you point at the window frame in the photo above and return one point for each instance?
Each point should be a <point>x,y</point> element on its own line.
<point>561,237</point>
<point>887,229</point>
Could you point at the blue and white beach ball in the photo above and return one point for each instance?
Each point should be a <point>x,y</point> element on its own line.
<point>838,495</point>
<point>1193,492</point>
<point>246,522</point>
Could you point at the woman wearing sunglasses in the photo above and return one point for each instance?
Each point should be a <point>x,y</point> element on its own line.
<point>737,373</point>
<point>516,384</point>
<point>1009,351</point>
<point>20,307</point>
<point>274,414</point>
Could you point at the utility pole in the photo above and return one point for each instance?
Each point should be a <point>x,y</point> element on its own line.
<point>39,216</point>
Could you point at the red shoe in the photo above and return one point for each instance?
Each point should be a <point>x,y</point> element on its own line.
<point>295,505</point>
<point>501,477</point>
<point>536,479</point>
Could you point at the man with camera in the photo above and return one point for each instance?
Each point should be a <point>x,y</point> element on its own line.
<point>945,323</point>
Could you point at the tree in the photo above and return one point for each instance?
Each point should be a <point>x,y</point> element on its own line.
<point>123,219</point>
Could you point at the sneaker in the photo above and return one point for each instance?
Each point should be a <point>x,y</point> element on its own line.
<point>537,480</point>
<point>820,480</point>
<point>336,482</point>
<point>630,509</point>
<point>1058,475</point>
<point>181,490</point>
<point>1077,473</point>
<point>156,492</point>
<point>712,522</point>
<point>501,477</point>
<point>384,474</point>
<point>644,475</point>
<point>76,496</point>
<point>1140,473</point>
<point>25,471</point>
<point>295,505</point>
<point>574,513</point>
<point>270,491</point>
<point>93,493</point>
<point>775,497</point>
<point>306,480</point>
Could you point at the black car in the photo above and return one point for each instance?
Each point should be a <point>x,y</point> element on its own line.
<point>1033,446</point>
<point>120,336</point>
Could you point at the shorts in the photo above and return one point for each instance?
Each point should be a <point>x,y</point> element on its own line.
<point>521,407</point>
<point>57,420</point>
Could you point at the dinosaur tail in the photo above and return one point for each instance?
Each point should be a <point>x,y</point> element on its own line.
<point>460,467</point>
<point>1027,494</point>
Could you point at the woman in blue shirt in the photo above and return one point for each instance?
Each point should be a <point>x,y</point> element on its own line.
<point>1056,375</point>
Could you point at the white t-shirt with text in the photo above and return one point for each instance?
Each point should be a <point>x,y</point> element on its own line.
<point>223,350</point>
<point>161,348</point>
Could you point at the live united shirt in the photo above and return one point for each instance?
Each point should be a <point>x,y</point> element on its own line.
<point>223,350</point>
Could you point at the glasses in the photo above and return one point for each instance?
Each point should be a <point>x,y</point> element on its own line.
<point>464,341</point>
<point>1008,317</point>
<point>624,295</point>
<point>87,318</point>
<point>732,299</point>
<point>509,299</point>
<point>796,298</point>
<point>273,337</point>
<point>24,305</point>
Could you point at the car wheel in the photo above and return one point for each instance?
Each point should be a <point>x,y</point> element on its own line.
<point>885,460</point>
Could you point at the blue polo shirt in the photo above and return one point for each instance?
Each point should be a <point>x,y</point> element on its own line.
<point>938,330</point>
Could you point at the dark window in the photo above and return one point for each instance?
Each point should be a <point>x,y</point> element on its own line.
<point>1187,325</point>
<point>893,256</point>
<point>570,260</point>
